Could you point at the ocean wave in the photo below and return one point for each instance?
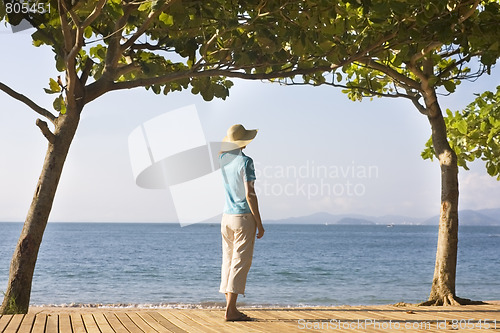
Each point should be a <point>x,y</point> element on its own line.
<point>169,306</point>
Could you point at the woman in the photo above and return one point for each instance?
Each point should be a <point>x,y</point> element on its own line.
<point>241,218</point>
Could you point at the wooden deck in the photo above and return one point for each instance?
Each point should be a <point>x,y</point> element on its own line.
<point>388,318</point>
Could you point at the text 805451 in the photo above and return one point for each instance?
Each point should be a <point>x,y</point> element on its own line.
<point>26,7</point>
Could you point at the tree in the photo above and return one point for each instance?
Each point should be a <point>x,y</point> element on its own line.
<point>102,46</point>
<point>474,133</point>
<point>427,55</point>
<point>164,46</point>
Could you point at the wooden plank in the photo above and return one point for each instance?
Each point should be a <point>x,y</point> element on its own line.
<point>265,327</point>
<point>115,323</point>
<point>267,320</point>
<point>193,321</point>
<point>140,322</point>
<point>213,319</point>
<point>39,325</point>
<point>65,323</point>
<point>182,322</point>
<point>89,323</point>
<point>347,315</point>
<point>27,323</point>
<point>276,314</point>
<point>77,323</point>
<point>128,323</point>
<point>14,323</point>
<point>102,323</point>
<point>259,314</point>
<point>52,325</point>
<point>4,321</point>
<point>309,314</point>
<point>377,320</point>
<point>153,323</point>
<point>166,322</point>
<point>218,318</point>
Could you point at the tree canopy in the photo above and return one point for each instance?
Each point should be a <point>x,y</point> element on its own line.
<point>436,43</point>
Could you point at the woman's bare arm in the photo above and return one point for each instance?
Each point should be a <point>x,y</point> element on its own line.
<point>254,206</point>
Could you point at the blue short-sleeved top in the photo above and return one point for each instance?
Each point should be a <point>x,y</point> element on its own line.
<point>236,168</point>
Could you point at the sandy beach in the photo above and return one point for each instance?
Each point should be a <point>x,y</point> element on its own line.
<point>385,318</point>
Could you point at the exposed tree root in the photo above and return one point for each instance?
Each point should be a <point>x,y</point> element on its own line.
<point>450,300</point>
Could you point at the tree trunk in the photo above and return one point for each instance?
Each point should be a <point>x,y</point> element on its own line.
<point>443,284</point>
<point>17,296</point>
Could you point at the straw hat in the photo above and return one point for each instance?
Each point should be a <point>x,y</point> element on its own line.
<point>237,137</point>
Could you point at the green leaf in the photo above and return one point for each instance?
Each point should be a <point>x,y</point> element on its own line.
<point>54,86</point>
<point>145,6</point>
<point>59,104</point>
<point>449,86</point>
<point>462,126</point>
<point>60,64</point>
<point>491,169</point>
<point>88,32</point>
<point>482,126</point>
<point>167,19</point>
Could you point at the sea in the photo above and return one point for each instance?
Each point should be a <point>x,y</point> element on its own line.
<point>166,265</point>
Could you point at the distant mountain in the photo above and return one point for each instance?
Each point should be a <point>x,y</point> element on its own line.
<point>471,217</point>
<point>493,213</point>
<point>466,217</point>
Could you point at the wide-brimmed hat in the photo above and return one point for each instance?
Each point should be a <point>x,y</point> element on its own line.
<point>237,137</point>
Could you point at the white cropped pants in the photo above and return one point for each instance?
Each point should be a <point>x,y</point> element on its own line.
<point>238,239</point>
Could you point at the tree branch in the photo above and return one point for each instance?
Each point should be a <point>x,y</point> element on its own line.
<point>417,56</point>
<point>35,107</point>
<point>469,12</point>
<point>414,99</point>
<point>454,65</point>
<point>65,27</point>
<point>390,72</point>
<point>45,130</point>
<point>114,52</point>
<point>80,27</point>
<point>95,13</point>
<point>87,68</point>
<point>101,87</point>
<point>126,69</point>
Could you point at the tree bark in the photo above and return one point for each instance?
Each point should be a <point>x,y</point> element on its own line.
<point>443,284</point>
<point>17,296</point>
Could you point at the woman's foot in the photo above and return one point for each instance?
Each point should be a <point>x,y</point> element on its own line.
<point>236,315</point>
<point>242,317</point>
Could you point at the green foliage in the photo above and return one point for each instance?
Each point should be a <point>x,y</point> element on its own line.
<point>164,46</point>
<point>12,307</point>
<point>385,47</point>
<point>54,87</point>
<point>428,43</point>
<point>475,133</point>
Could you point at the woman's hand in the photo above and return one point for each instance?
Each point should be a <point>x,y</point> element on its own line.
<point>260,231</point>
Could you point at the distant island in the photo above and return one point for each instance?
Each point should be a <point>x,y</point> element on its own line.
<point>483,217</point>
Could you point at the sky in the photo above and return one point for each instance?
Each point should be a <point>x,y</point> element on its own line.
<point>316,151</point>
